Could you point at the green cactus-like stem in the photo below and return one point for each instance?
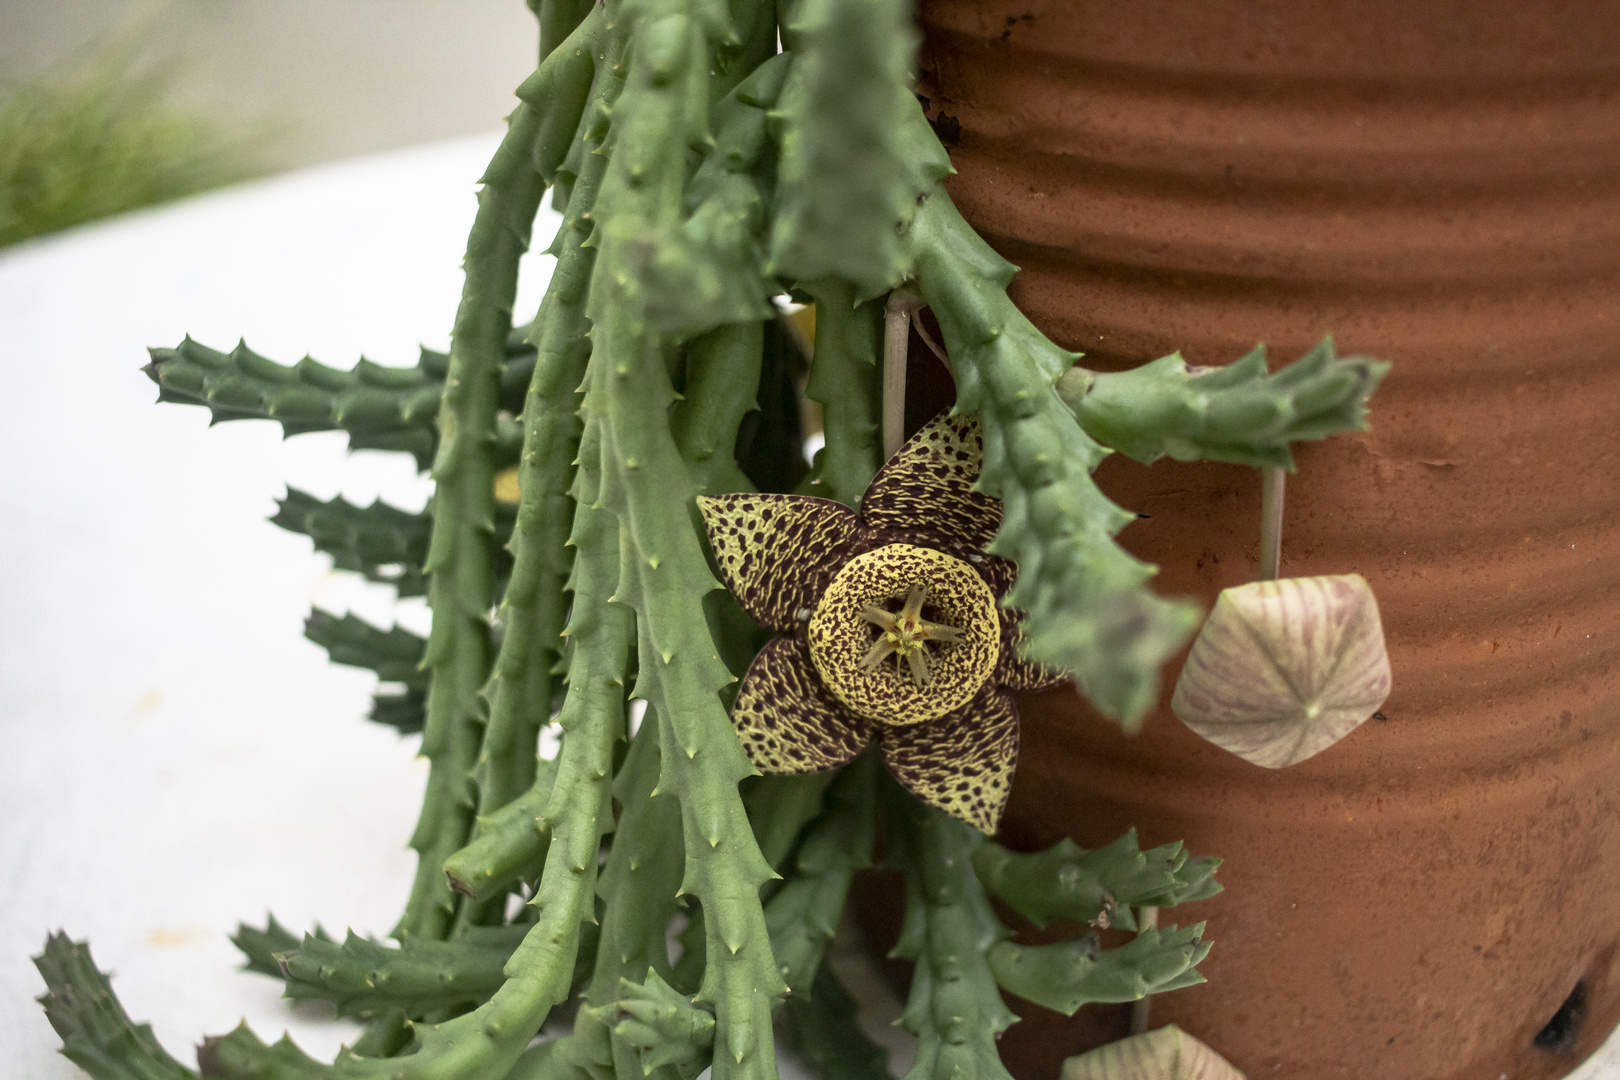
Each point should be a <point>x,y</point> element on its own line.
<point>533,605</point>
<point>955,1007</point>
<point>460,560</point>
<point>385,1035</point>
<point>242,1056</point>
<point>671,1036</point>
<point>558,20</point>
<point>488,1041</point>
<point>1088,607</point>
<point>722,383</point>
<point>1236,413</point>
<point>803,914</point>
<point>778,808</point>
<point>663,573</point>
<point>364,978</point>
<point>260,947</point>
<point>385,544</point>
<point>381,408</point>
<point>639,884</point>
<point>821,1028</point>
<point>1068,974</point>
<point>511,844</point>
<point>642,877</point>
<point>844,378</point>
<point>842,185</point>
<point>97,1035</point>
<point>395,655</point>
<point>1099,886</point>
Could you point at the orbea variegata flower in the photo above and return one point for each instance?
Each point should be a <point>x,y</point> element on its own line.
<point>889,627</point>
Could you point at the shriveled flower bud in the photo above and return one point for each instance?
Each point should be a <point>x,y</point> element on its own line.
<point>1284,669</point>
<point>1166,1054</point>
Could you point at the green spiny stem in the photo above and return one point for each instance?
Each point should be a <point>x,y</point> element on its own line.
<point>533,604</point>
<point>97,1035</point>
<point>1089,609</point>
<point>385,544</point>
<point>821,1029</point>
<point>533,607</point>
<point>460,560</point>
<point>955,1008</point>
<point>405,712</point>
<point>778,808</point>
<point>365,978</point>
<point>1099,887</point>
<point>558,20</point>
<point>261,947</point>
<point>387,1035</point>
<point>689,966</point>
<point>484,1044</point>
<point>803,914</point>
<point>639,884</point>
<point>1068,974</point>
<point>842,186</point>
<point>844,378</point>
<point>722,384</point>
<point>511,843</point>
<point>561,89</point>
<point>642,877</point>
<point>708,270</point>
<point>664,573</point>
<point>381,408</point>
<point>242,1056</point>
<point>1236,413</point>
<point>395,655</point>
<point>666,1030</point>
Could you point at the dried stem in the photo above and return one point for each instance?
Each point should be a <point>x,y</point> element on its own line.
<point>896,338</point>
<point>1271,518</point>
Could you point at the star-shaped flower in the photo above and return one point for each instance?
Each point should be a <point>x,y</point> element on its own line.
<point>889,626</point>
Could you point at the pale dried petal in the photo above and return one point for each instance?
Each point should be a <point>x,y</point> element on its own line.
<point>1166,1054</point>
<point>1285,669</point>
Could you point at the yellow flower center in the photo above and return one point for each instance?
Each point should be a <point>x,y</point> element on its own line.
<point>905,636</point>
<point>940,661</point>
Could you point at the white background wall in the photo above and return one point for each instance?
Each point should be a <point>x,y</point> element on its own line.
<point>333,78</point>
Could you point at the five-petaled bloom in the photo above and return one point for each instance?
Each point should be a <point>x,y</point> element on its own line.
<point>889,626</point>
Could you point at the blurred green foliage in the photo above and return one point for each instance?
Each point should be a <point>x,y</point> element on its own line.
<point>83,145</point>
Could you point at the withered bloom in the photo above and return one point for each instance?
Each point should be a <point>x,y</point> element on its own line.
<point>889,626</point>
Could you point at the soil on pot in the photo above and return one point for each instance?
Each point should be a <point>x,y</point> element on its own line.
<point>1437,185</point>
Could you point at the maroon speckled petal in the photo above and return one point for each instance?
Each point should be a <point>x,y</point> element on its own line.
<point>777,552</point>
<point>928,486</point>
<point>1016,673</point>
<point>963,762</point>
<point>786,719</point>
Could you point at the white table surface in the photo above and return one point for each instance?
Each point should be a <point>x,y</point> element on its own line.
<point>176,756</point>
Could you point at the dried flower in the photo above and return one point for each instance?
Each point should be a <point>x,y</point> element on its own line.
<point>889,626</point>
<point>1285,669</point>
<point>1166,1054</point>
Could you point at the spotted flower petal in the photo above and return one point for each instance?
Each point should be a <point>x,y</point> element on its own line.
<point>963,762</point>
<point>776,552</point>
<point>928,486</point>
<point>786,719</point>
<point>1015,672</point>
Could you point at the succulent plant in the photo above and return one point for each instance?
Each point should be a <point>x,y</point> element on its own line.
<point>706,159</point>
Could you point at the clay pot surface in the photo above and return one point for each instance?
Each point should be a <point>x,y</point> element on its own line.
<point>1438,185</point>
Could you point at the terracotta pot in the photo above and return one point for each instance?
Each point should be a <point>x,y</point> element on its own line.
<point>1437,184</point>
